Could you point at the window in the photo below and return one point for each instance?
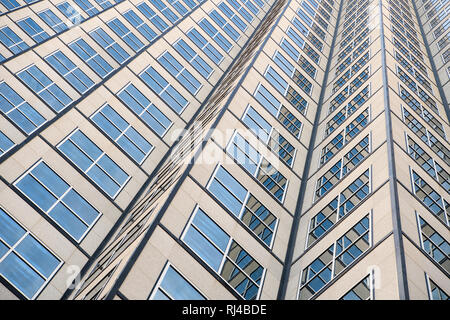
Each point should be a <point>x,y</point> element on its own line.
<point>140,25</point>
<point>111,46</point>
<point>67,69</point>
<point>181,9</point>
<point>53,21</point>
<point>91,57</point>
<point>178,71</point>
<point>163,89</point>
<point>57,199</point>
<point>343,137</point>
<point>33,29</point>
<point>423,133</point>
<point>129,140</point>
<point>362,291</point>
<point>238,22</point>
<point>434,244</point>
<point>224,255</point>
<point>70,12</point>
<point>144,109</point>
<point>11,40</point>
<point>125,34</point>
<point>224,25</point>
<point>104,4</point>
<point>335,259</point>
<point>10,4</point>
<point>242,11</point>
<point>215,35</point>
<point>258,166</point>
<point>45,88</point>
<point>347,111</point>
<point>193,58</point>
<point>243,205</point>
<point>428,163</point>
<point>436,293</point>
<point>430,198</point>
<point>5,143</point>
<point>24,261</point>
<point>173,286</point>
<point>271,104</point>
<point>151,15</point>
<point>94,162</point>
<point>269,135</point>
<point>205,46</point>
<point>339,207</point>
<point>87,7</point>
<point>342,167</point>
<point>18,110</point>
<point>169,14</point>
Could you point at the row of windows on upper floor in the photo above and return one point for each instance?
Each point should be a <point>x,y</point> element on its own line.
<point>354,27</point>
<point>28,119</point>
<point>410,34</point>
<point>413,86</point>
<point>433,7</point>
<point>15,44</point>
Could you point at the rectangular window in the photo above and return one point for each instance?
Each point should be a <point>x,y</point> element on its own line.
<point>11,40</point>
<point>110,46</point>
<point>33,29</point>
<point>430,198</point>
<point>57,199</point>
<point>87,7</point>
<point>242,11</point>
<point>10,4</point>
<point>53,21</point>
<point>70,12</point>
<point>179,72</point>
<point>428,163</point>
<point>342,138</point>
<point>205,46</point>
<point>193,58</point>
<point>238,22</point>
<point>362,291</point>
<point>166,11</point>
<point>339,207</point>
<point>271,104</point>
<point>20,112</point>
<point>45,88</point>
<point>342,167</point>
<point>434,244</point>
<point>224,25</point>
<point>173,286</point>
<point>163,89</point>
<point>125,34</point>
<point>436,293</point>
<point>151,15</point>
<point>5,143</point>
<point>144,109</point>
<point>91,57</point>
<point>24,261</point>
<point>269,135</point>
<point>128,139</point>
<point>140,25</point>
<point>224,255</point>
<point>94,162</point>
<point>335,259</point>
<point>258,166</point>
<point>69,71</point>
<point>237,199</point>
<point>215,35</point>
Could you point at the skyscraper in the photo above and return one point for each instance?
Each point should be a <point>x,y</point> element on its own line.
<point>224,149</point>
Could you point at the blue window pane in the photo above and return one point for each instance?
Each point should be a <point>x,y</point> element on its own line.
<point>68,221</point>
<point>211,230</point>
<point>10,231</point>
<point>36,192</point>
<point>21,275</point>
<point>77,203</point>
<point>203,248</point>
<point>39,257</point>
<point>177,287</point>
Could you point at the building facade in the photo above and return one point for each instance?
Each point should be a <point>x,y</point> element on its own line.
<point>224,149</point>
